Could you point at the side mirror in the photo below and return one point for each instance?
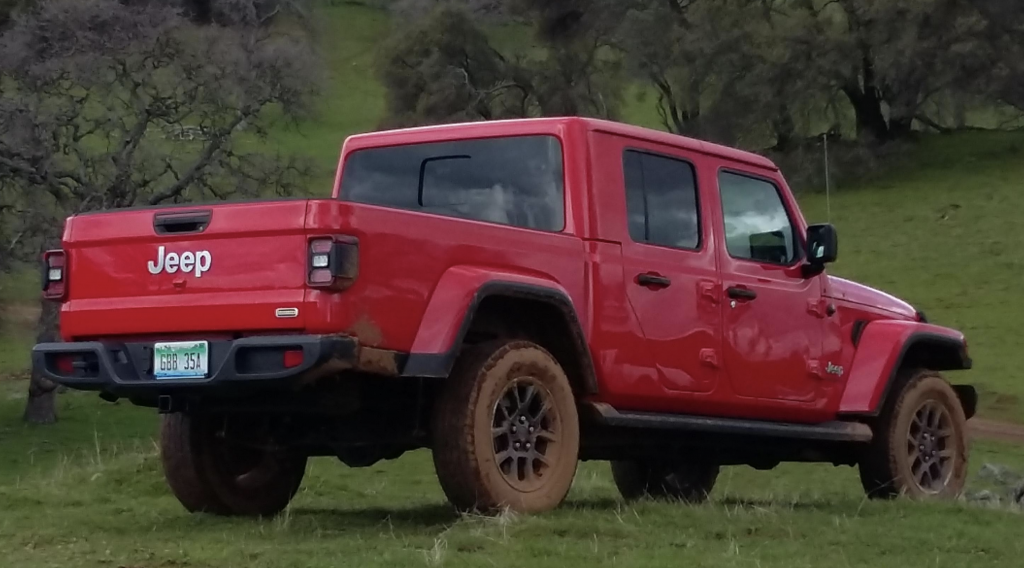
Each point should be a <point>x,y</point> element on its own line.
<point>822,245</point>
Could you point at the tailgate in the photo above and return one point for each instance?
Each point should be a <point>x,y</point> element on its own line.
<point>235,267</point>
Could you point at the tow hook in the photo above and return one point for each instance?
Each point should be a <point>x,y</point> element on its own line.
<point>167,404</point>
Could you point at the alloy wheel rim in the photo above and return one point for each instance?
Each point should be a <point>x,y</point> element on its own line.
<point>930,447</point>
<point>525,434</point>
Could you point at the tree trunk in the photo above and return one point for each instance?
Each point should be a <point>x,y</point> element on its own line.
<point>200,11</point>
<point>867,102</point>
<point>41,407</point>
<point>784,128</point>
<point>867,107</point>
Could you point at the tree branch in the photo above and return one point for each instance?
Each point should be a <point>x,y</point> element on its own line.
<point>204,160</point>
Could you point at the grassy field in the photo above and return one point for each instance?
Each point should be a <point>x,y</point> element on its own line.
<point>19,293</point>
<point>89,492</point>
<point>937,230</point>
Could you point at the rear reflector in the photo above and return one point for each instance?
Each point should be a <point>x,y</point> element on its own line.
<point>292,358</point>
<point>65,365</point>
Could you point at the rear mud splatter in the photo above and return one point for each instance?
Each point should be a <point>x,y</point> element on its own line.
<point>378,361</point>
<point>367,331</point>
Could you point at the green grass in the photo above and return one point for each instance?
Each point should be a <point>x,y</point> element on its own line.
<point>89,492</point>
<point>22,285</point>
<point>351,101</point>
<point>17,290</point>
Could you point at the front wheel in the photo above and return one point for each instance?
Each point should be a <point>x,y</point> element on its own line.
<point>208,471</point>
<point>505,430</point>
<point>920,445</point>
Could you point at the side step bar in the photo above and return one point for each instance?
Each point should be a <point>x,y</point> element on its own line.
<point>826,431</point>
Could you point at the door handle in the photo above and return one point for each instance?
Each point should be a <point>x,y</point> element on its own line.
<point>653,280</point>
<point>744,294</point>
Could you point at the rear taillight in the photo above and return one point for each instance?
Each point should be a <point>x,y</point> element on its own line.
<point>55,275</point>
<point>333,262</point>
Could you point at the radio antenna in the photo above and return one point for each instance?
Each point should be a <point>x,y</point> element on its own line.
<point>828,182</point>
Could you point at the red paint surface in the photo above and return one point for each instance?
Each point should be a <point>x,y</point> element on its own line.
<point>678,349</point>
<point>877,356</point>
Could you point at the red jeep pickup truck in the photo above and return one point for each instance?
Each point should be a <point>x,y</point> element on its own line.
<point>515,296</point>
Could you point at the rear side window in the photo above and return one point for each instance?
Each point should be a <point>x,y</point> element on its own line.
<point>514,181</point>
<point>757,226</point>
<point>661,200</point>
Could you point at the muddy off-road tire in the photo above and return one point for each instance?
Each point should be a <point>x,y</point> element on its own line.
<point>212,475</point>
<point>920,444</point>
<point>687,482</point>
<point>505,431</point>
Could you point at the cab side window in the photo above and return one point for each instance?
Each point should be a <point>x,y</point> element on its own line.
<point>661,200</point>
<point>757,226</point>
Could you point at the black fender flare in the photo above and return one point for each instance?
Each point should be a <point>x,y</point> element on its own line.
<point>439,365</point>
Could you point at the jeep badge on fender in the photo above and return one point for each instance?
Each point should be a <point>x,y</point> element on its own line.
<point>198,261</point>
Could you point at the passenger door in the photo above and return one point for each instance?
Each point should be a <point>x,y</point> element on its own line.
<point>772,314</point>
<point>671,269</point>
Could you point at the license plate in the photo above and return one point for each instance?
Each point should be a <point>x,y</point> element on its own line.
<point>181,360</point>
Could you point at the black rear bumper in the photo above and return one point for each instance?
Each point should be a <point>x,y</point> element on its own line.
<point>237,367</point>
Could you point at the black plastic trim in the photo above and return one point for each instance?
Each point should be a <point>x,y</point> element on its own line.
<point>439,365</point>
<point>968,396</point>
<point>182,223</point>
<point>828,431</point>
<point>737,293</point>
<point>653,280</point>
<point>124,369</point>
<point>858,331</point>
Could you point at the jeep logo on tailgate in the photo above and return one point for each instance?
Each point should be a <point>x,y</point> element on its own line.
<point>188,261</point>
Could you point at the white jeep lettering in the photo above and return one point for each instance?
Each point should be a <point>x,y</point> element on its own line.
<point>203,261</point>
<point>170,262</point>
<point>187,262</point>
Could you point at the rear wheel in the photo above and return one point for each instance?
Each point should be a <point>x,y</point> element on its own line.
<point>178,453</point>
<point>505,430</point>
<point>920,445</point>
<point>690,482</point>
<point>209,472</point>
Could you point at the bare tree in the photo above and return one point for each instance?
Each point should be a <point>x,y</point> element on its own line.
<point>109,105</point>
<point>443,68</point>
<point>411,10</point>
